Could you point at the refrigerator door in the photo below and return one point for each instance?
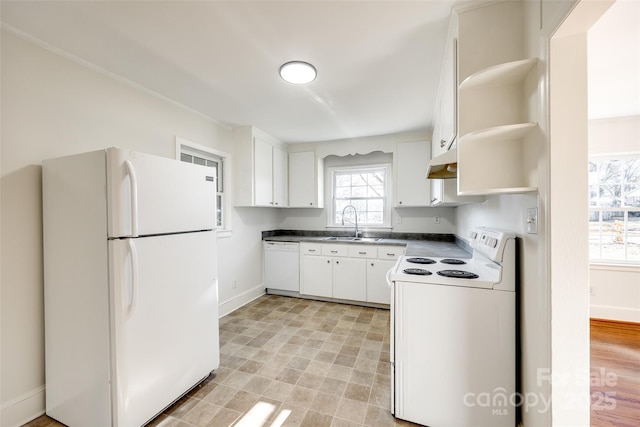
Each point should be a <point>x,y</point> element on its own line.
<point>164,332</point>
<point>155,195</point>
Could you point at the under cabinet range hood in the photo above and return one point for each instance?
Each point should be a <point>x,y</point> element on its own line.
<point>444,166</point>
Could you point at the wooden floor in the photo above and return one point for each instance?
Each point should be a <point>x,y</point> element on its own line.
<point>615,374</point>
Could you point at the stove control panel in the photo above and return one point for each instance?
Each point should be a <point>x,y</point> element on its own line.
<point>489,242</point>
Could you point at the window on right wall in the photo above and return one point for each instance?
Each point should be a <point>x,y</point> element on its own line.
<point>614,209</point>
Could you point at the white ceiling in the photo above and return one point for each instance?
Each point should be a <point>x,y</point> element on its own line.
<point>378,61</point>
<point>614,62</point>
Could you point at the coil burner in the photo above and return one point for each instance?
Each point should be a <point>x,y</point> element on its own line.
<point>417,271</point>
<point>419,260</point>
<point>458,274</point>
<point>452,261</point>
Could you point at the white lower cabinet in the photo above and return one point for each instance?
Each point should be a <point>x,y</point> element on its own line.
<point>349,271</point>
<point>350,279</point>
<point>316,276</point>
<point>377,287</point>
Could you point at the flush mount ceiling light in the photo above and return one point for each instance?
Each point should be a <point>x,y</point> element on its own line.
<point>298,72</point>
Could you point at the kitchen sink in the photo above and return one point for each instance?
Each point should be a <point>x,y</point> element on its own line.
<point>353,239</point>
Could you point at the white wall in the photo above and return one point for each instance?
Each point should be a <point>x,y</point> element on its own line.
<point>52,107</point>
<point>615,292</point>
<point>619,135</point>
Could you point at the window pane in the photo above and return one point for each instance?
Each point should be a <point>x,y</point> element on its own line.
<point>360,205</point>
<point>359,191</point>
<point>374,217</point>
<point>612,235</point>
<point>631,182</point>
<point>375,205</point>
<point>358,179</point>
<point>343,180</point>
<point>219,210</point>
<point>376,191</point>
<point>186,158</point>
<point>633,236</point>
<point>594,235</point>
<point>376,178</point>
<point>343,192</point>
<point>199,161</point>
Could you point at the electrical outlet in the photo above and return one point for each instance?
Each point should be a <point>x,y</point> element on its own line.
<point>233,285</point>
<point>436,220</point>
<point>532,221</point>
<point>592,291</point>
<point>398,219</point>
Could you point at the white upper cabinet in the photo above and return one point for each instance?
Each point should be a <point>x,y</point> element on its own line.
<point>444,192</point>
<point>305,180</point>
<point>280,177</point>
<point>260,169</point>
<point>444,128</point>
<point>497,137</point>
<point>411,161</point>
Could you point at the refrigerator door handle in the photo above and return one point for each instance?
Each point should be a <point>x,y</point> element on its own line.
<point>134,279</point>
<point>134,197</point>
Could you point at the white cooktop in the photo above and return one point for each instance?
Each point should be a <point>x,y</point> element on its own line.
<point>486,266</point>
<point>488,272</point>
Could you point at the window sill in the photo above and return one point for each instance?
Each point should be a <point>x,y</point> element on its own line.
<point>223,234</point>
<point>614,266</point>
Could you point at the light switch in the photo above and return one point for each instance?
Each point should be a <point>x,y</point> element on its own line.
<point>532,221</point>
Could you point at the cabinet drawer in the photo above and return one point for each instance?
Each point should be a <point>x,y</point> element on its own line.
<point>310,249</point>
<point>362,251</point>
<point>335,250</point>
<point>390,252</point>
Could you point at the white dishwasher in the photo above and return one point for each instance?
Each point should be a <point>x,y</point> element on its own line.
<point>282,266</point>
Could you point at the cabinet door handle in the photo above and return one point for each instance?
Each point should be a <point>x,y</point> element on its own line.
<point>362,253</point>
<point>334,252</point>
<point>371,264</point>
<point>400,202</point>
<point>311,250</point>
<point>337,262</point>
<point>434,200</point>
<point>388,254</point>
<point>311,204</point>
<point>443,142</point>
<point>328,261</point>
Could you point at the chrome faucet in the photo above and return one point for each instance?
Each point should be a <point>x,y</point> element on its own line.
<point>356,215</point>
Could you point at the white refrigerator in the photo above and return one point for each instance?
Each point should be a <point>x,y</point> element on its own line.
<point>130,284</point>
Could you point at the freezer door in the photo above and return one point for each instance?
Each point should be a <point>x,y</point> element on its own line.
<point>156,195</point>
<point>164,332</point>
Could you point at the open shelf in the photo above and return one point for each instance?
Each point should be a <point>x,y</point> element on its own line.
<point>494,150</point>
<point>501,74</point>
<point>515,131</point>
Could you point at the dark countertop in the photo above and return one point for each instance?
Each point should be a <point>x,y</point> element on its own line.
<point>426,245</point>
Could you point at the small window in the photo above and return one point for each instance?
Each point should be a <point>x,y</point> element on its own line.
<point>366,190</point>
<point>614,209</point>
<point>193,153</point>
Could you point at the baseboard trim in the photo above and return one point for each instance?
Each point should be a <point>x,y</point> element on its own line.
<point>240,300</point>
<point>23,409</point>
<point>615,313</point>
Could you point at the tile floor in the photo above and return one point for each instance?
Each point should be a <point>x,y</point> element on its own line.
<point>292,362</point>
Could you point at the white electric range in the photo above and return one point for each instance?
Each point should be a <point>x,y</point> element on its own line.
<point>453,335</point>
